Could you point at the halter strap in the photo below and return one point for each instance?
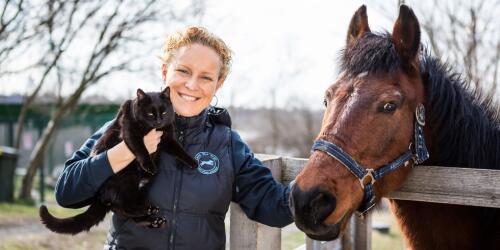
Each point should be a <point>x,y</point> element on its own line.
<point>368,176</point>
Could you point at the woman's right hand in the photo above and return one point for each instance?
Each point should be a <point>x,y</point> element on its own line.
<point>152,139</point>
<point>120,155</point>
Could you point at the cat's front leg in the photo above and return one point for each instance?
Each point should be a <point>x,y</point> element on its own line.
<point>136,145</point>
<point>172,147</point>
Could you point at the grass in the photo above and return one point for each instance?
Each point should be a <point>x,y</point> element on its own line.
<point>393,240</point>
<point>291,239</point>
<point>28,233</point>
<point>24,231</point>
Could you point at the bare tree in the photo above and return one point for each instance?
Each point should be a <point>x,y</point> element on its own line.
<point>103,33</point>
<point>11,19</point>
<point>302,126</point>
<point>18,26</point>
<point>56,10</point>
<point>467,32</point>
<point>464,33</point>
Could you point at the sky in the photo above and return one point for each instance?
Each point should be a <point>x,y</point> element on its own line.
<point>286,47</point>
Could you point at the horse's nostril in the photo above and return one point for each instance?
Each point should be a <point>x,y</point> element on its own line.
<point>312,207</point>
<point>321,205</point>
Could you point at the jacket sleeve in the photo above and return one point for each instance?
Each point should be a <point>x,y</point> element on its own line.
<point>260,196</point>
<point>83,174</point>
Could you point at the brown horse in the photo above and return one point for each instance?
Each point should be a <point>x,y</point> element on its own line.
<point>391,102</point>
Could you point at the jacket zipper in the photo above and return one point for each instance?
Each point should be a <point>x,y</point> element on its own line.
<point>177,190</point>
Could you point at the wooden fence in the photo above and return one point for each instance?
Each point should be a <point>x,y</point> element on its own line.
<point>461,186</point>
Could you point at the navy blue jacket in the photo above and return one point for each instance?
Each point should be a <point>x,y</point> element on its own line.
<point>194,201</point>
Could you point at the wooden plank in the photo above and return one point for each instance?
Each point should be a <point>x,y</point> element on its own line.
<point>291,168</point>
<point>460,186</point>
<point>269,238</point>
<point>347,239</point>
<point>243,231</point>
<point>363,232</point>
<point>247,234</point>
<point>322,245</point>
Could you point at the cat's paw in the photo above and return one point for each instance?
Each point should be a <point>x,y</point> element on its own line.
<point>153,210</point>
<point>149,169</point>
<point>158,222</point>
<point>192,163</point>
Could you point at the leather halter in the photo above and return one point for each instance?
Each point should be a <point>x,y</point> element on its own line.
<point>368,176</point>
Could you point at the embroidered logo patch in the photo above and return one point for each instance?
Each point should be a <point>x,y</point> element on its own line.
<point>208,163</point>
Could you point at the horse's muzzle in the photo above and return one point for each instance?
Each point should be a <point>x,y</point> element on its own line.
<point>310,209</point>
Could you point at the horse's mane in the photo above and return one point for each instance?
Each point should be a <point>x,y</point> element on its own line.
<point>465,124</point>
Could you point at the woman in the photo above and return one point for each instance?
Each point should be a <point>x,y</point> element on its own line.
<point>194,201</point>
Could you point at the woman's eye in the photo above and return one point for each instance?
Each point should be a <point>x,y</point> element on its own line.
<point>325,102</point>
<point>389,107</point>
<point>207,78</point>
<point>183,71</point>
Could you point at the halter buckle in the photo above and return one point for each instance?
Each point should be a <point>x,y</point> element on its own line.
<point>367,178</point>
<point>420,114</point>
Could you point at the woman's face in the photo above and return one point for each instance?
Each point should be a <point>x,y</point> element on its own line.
<point>193,77</point>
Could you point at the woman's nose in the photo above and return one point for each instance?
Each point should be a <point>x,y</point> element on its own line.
<point>192,83</point>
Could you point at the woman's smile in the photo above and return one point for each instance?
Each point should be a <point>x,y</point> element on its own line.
<point>189,98</point>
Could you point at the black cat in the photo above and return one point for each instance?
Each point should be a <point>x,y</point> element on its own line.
<point>125,193</point>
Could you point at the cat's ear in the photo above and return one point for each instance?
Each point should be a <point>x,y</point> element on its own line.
<point>166,92</point>
<point>140,94</point>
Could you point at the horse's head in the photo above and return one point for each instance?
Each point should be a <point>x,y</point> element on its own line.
<point>369,122</point>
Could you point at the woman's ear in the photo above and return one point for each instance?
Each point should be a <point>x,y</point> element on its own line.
<point>220,82</point>
<point>164,71</point>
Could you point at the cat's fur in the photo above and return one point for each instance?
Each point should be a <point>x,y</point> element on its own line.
<point>125,193</point>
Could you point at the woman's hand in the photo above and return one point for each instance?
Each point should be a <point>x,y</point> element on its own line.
<point>120,155</point>
<point>152,139</point>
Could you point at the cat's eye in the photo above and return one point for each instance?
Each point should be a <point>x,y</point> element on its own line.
<point>150,114</point>
<point>164,113</point>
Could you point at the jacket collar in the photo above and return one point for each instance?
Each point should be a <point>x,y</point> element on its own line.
<point>182,122</point>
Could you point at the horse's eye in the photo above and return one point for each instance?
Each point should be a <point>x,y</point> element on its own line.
<point>390,107</point>
<point>325,102</point>
<point>150,114</point>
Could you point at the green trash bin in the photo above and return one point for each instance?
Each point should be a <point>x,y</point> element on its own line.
<point>8,161</point>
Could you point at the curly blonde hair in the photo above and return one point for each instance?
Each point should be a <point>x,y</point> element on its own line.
<point>202,36</point>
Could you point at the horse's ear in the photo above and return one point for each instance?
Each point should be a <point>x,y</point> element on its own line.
<point>358,26</point>
<point>406,35</point>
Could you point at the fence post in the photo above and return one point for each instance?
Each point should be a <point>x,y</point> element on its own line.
<point>243,232</point>
<point>247,234</point>
<point>363,232</point>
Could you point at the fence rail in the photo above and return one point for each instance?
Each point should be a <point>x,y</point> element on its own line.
<point>459,186</point>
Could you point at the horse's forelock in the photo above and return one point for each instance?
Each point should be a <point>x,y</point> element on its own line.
<point>372,53</point>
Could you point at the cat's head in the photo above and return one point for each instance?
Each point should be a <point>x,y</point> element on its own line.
<point>154,108</point>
